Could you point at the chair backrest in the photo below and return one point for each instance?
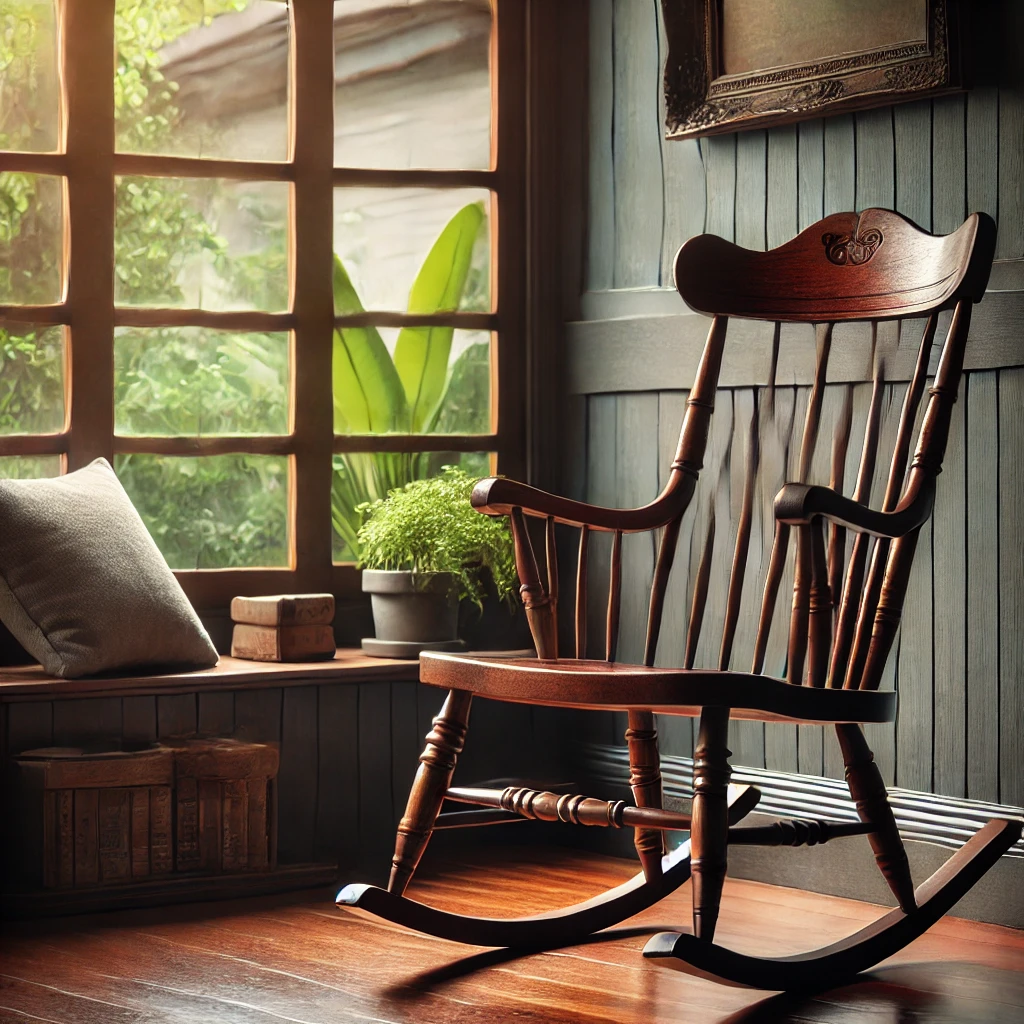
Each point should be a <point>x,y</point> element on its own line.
<point>847,597</point>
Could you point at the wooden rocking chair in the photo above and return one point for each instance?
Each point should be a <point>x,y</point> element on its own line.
<point>870,266</point>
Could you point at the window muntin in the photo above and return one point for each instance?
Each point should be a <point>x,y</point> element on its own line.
<point>102,344</point>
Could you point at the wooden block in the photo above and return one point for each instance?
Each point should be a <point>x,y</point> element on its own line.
<point>161,853</point>
<point>114,817</point>
<point>282,643</point>
<point>140,832</point>
<point>70,768</point>
<point>284,610</point>
<point>87,864</point>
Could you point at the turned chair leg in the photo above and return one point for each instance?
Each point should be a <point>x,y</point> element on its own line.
<point>869,794</point>
<point>645,781</point>
<point>433,777</point>
<point>709,827</point>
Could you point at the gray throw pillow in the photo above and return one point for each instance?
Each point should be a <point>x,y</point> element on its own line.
<point>83,587</point>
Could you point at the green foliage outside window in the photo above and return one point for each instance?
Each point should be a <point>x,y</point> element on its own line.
<point>203,512</point>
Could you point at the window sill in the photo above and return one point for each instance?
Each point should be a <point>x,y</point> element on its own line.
<point>350,665</point>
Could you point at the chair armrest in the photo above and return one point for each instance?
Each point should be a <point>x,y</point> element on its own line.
<point>497,496</point>
<point>798,504</point>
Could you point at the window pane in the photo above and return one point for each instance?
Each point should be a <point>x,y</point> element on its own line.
<point>438,381</point>
<point>386,241</point>
<point>31,237</point>
<point>366,476</point>
<point>205,78</point>
<point>412,84</point>
<point>202,243</point>
<point>28,467</point>
<point>193,381</point>
<point>212,512</point>
<point>31,380</point>
<point>29,86</point>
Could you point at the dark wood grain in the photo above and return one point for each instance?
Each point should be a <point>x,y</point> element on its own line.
<point>300,958</point>
<point>939,272</point>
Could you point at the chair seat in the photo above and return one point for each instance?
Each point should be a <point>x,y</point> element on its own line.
<point>612,686</point>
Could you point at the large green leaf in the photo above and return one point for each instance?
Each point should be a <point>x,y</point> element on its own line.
<point>421,353</point>
<point>368,394</point>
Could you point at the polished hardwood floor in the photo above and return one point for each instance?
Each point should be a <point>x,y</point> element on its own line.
<point>298,959</point>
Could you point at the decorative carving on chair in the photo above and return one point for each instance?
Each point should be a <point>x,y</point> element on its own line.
<point>853,249</point>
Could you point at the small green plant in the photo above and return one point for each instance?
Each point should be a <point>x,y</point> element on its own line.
<point>430,526</point>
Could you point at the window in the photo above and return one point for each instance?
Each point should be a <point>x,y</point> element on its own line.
<point>266,258</point>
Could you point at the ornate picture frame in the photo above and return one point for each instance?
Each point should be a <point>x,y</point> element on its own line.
<point>735,64</point>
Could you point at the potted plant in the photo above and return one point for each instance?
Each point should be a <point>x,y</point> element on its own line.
<point>423,550</point>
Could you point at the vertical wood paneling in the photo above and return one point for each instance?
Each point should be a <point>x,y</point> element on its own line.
<point>949,583</point>
<point>376,817</point>
<point>882,738</point>
<point>712,501</point>
<point>840,147</point>
<point>406,744</point>
<point>875,159</point>
<point>636,484</point>
<point>1011,592</point>
<point>138,719</point>
<point>912,125</point>
<point>914,674</point>
<point>636,146</point>
<point>676,733</point>
<point>780,741</point>
<point>751,188</point>
<point>337,813</point>
<point>297,776</point>
<point>982,142</point>
<point>600,265</point>
<point>1010,241</point>
<point>949,164</point>
<point>982,641</point>
<point>684,182</point>
<point>176,715</point>
<point>783,219</point>
<point>746,739</point>
<point>29,725</point>
<point>258,715</point>
<point>719,153</point>
<point>811,177</point>
<point>217,714</point>
<point>93,720</point>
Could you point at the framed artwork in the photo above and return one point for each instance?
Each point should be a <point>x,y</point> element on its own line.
<point>735,64</point>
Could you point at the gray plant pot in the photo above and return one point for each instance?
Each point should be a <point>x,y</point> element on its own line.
<point>412,612</point>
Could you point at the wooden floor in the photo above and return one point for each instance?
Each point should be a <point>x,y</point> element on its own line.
<point>299,959</point>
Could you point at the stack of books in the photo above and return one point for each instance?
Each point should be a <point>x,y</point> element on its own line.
<point>283,627</point>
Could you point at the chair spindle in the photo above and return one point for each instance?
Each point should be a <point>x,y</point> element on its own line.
<point>924,469</point>
<point>662,571</point>
<point>897,472</point>
<point>802,575</point>
<point>614,598</point>
<point>819,612</point>
<point>739,559</point>
<point>536,602</point>
<point>700,591</point>
<point>581,593</point>
<point>837,534</point>
<point>848,606</point>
